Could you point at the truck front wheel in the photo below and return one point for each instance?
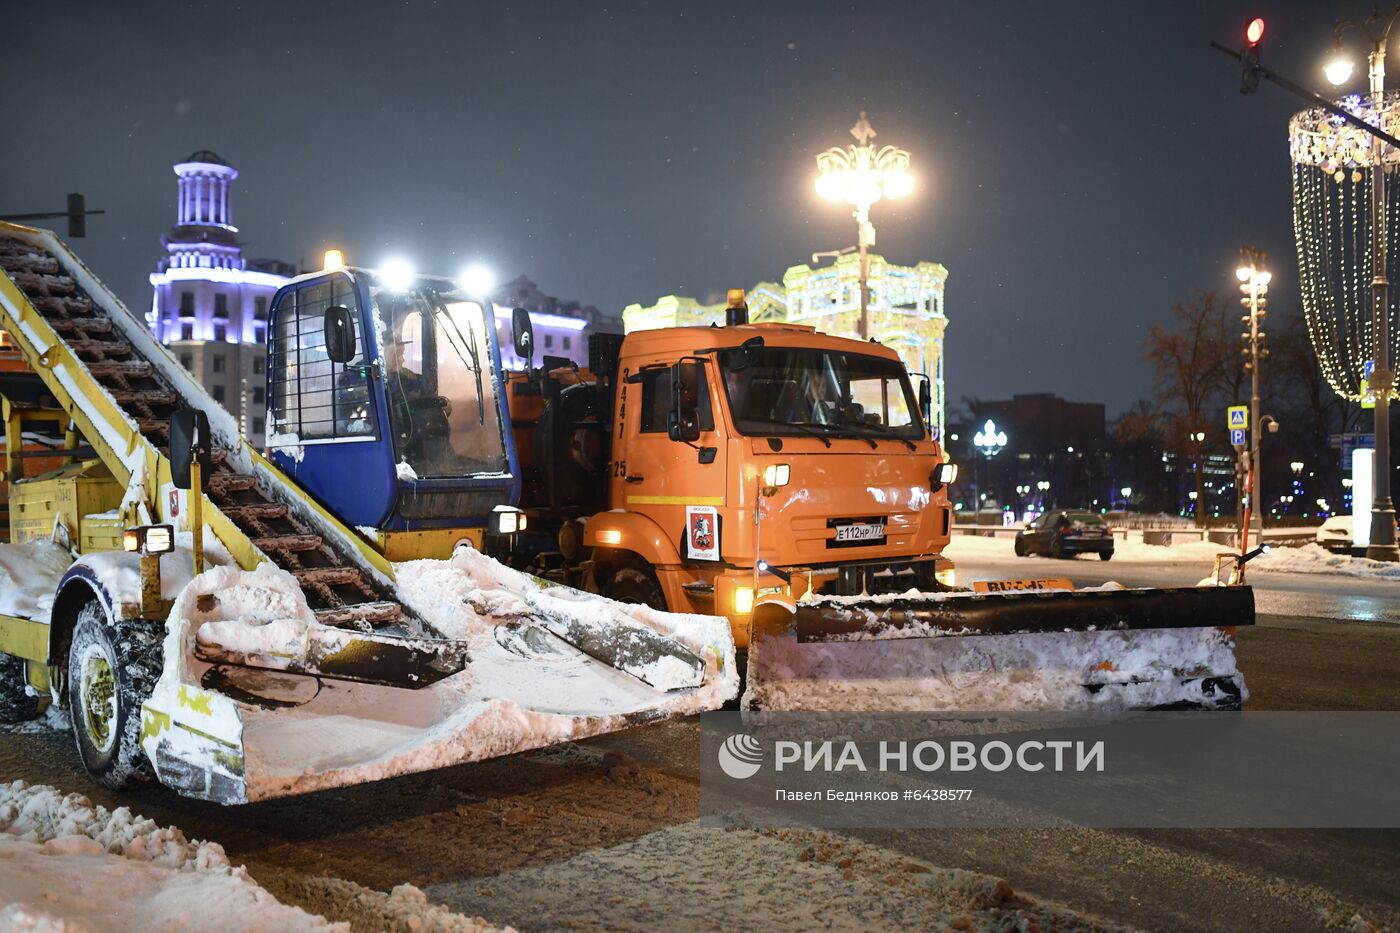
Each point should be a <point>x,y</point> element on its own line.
<point>631,583</point>
<point>112,669</point>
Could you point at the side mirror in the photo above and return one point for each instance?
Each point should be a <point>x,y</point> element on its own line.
<point>746,355</point>
<point>189,444</point>
<point>522,335</point>
<point>683,422</point>
<point>926,398</point>
<point>682,429</point>
<point>340,334</point>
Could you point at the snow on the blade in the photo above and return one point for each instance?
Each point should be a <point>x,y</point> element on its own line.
<point>990,672</point>
<point>260,611</point>
<point>930,668</point>
<point>469,595</point>
<point>29,573</point>
<point>539,691</point>
<point>67,865</point>
<point>405,472</point>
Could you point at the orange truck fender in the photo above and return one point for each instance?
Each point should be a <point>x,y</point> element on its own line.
<point>631,531</point>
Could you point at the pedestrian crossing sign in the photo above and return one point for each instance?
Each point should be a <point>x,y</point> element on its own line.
<point>1237,416</point>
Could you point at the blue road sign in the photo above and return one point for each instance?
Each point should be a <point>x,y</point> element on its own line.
<point>1237,437</point>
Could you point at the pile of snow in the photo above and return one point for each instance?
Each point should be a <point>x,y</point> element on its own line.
<point>67,865</point>
<point>258,612</point>
<point>29,574</point>
<point>1312,558</point>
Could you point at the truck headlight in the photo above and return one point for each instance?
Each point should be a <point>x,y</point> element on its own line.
<point>945,473</point>
<point>509,520</point>
<point>150,539</point>
<point>743,600</point>
<point>776,474</point>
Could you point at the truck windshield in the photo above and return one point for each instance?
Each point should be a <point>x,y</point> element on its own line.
<point>440,383</point>
<point>794,391</point>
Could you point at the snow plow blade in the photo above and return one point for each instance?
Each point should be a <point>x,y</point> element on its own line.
<point>1024,613</point>
<point>364,657</point>
<point>1105,649</point>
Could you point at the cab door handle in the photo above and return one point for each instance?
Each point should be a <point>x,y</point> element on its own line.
<point>634,477</point>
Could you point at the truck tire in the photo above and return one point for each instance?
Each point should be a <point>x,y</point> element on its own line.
<point>635,584</point>
<point>112,669</point>
<point>16,705</point>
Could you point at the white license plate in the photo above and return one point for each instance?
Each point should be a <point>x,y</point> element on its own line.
<point>860,532</point>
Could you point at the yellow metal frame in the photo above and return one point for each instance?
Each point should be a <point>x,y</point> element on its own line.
<point>433,544</point>
<point>93,407</point>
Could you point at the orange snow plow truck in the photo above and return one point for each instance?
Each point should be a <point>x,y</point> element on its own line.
<point>788,480</point>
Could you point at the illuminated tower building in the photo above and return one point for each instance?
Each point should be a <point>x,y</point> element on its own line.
<point>209,303</point>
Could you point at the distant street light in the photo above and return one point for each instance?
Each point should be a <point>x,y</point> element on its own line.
<point>989,440</point>
<point>860,175</point>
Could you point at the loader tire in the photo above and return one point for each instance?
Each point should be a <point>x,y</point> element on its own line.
<point>633,584</point>
<point>16,705</point>
<point>112,669</point>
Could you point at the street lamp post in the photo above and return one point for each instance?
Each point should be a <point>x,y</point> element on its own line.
<point>990,441</point>
<point>1254,283</point>
<point>860,175</point>
<point>1376,29</point>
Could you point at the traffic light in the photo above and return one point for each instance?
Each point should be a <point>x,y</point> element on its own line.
<point>1249,56</point>
<point>77,215</point>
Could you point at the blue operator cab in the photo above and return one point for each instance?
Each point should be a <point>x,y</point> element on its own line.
<point>385,404</point>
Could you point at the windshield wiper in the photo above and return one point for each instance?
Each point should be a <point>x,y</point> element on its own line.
<point>886,431</point>
<point>441,312</point>
<point>805,429</point>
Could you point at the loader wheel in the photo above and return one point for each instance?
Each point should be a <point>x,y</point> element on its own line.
<point>112,669</point>
<point>632,584</point>
<point>16,705</point>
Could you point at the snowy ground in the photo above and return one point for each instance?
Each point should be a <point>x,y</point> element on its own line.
<point>1130,551</point>
<point>62,860</point>
<point>1310,558</point>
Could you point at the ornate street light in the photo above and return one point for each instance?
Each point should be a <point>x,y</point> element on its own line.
<point>989,440</point>
<point>1344,184</point>
<point>860,175</point>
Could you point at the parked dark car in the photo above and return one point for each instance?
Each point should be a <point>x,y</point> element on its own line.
<point>1065,533</point>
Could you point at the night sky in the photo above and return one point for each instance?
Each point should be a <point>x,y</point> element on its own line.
<point>1081,167</point>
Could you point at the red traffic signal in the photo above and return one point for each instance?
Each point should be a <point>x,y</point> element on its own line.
<point>1254,31</point>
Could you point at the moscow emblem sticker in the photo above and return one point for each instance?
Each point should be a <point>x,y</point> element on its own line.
<point>702,532</point>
